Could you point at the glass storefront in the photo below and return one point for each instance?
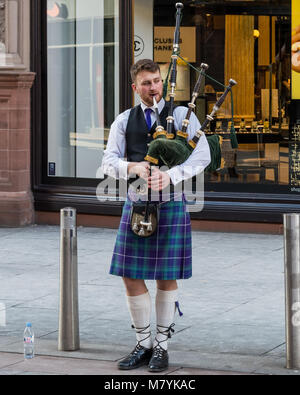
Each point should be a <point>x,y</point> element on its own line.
<point>253,47</point>
<point>82,83</point>
<point>86,51</point>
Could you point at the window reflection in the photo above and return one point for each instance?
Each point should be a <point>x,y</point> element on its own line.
<point>82,81</point>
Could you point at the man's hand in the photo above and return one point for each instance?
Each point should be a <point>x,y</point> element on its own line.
<point>158,180</point>
<point>141,169</point>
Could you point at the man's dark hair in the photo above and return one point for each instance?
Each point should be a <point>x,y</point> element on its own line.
<point>143,65</point>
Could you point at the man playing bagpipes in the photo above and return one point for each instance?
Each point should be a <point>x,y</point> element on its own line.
<point>166,255</point>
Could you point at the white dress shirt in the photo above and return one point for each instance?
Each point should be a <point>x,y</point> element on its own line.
<point>115,164</point>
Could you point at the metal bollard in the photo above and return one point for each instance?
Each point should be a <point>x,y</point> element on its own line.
<point>292,289</point>
<point>68,333</point>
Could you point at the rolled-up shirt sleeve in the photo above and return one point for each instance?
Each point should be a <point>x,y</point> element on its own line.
<point>199,158</point>
<point>114,163</point>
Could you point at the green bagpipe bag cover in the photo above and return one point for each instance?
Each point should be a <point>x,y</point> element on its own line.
<point>169,152</point>
<point>173,152</point>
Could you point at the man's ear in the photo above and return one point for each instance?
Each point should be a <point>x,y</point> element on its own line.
<point>133,86</point>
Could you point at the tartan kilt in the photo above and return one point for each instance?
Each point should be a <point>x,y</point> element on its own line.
<point>166,255</point>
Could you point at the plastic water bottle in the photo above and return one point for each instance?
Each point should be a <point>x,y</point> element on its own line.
<point>28,341</point>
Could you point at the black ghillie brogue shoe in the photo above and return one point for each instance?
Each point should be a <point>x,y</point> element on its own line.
<point>138,357</point>
<point>160,357</point>
<point>159,361</point>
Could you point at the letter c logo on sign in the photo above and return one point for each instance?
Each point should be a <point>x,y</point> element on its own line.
<point>139,46</point>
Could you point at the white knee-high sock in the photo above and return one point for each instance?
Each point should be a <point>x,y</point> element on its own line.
<point>165,310</point>
<point>140,311</point>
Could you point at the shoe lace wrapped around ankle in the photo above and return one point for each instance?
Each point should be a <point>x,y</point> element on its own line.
<point>167,330</point>
<point>141,331</point>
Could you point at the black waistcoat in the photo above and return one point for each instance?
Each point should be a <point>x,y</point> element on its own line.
<point>138,135</point>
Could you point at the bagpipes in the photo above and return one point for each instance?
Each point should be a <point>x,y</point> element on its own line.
<point>169,150</point>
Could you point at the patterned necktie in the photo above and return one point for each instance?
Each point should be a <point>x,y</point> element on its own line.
<point>148,112</point>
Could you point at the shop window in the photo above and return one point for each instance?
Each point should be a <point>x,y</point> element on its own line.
<point>83,86</point>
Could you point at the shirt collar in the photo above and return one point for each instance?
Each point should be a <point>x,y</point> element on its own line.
<point>160,105</point>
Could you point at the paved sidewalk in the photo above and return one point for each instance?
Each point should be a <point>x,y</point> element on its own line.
<point>14,364</point>
<point>233,305</point>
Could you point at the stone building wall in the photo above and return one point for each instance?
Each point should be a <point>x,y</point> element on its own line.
<point>16,200</point>
<point>2,21</point>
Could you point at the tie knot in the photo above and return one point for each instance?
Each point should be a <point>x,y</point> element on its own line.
<point>148,110</point>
